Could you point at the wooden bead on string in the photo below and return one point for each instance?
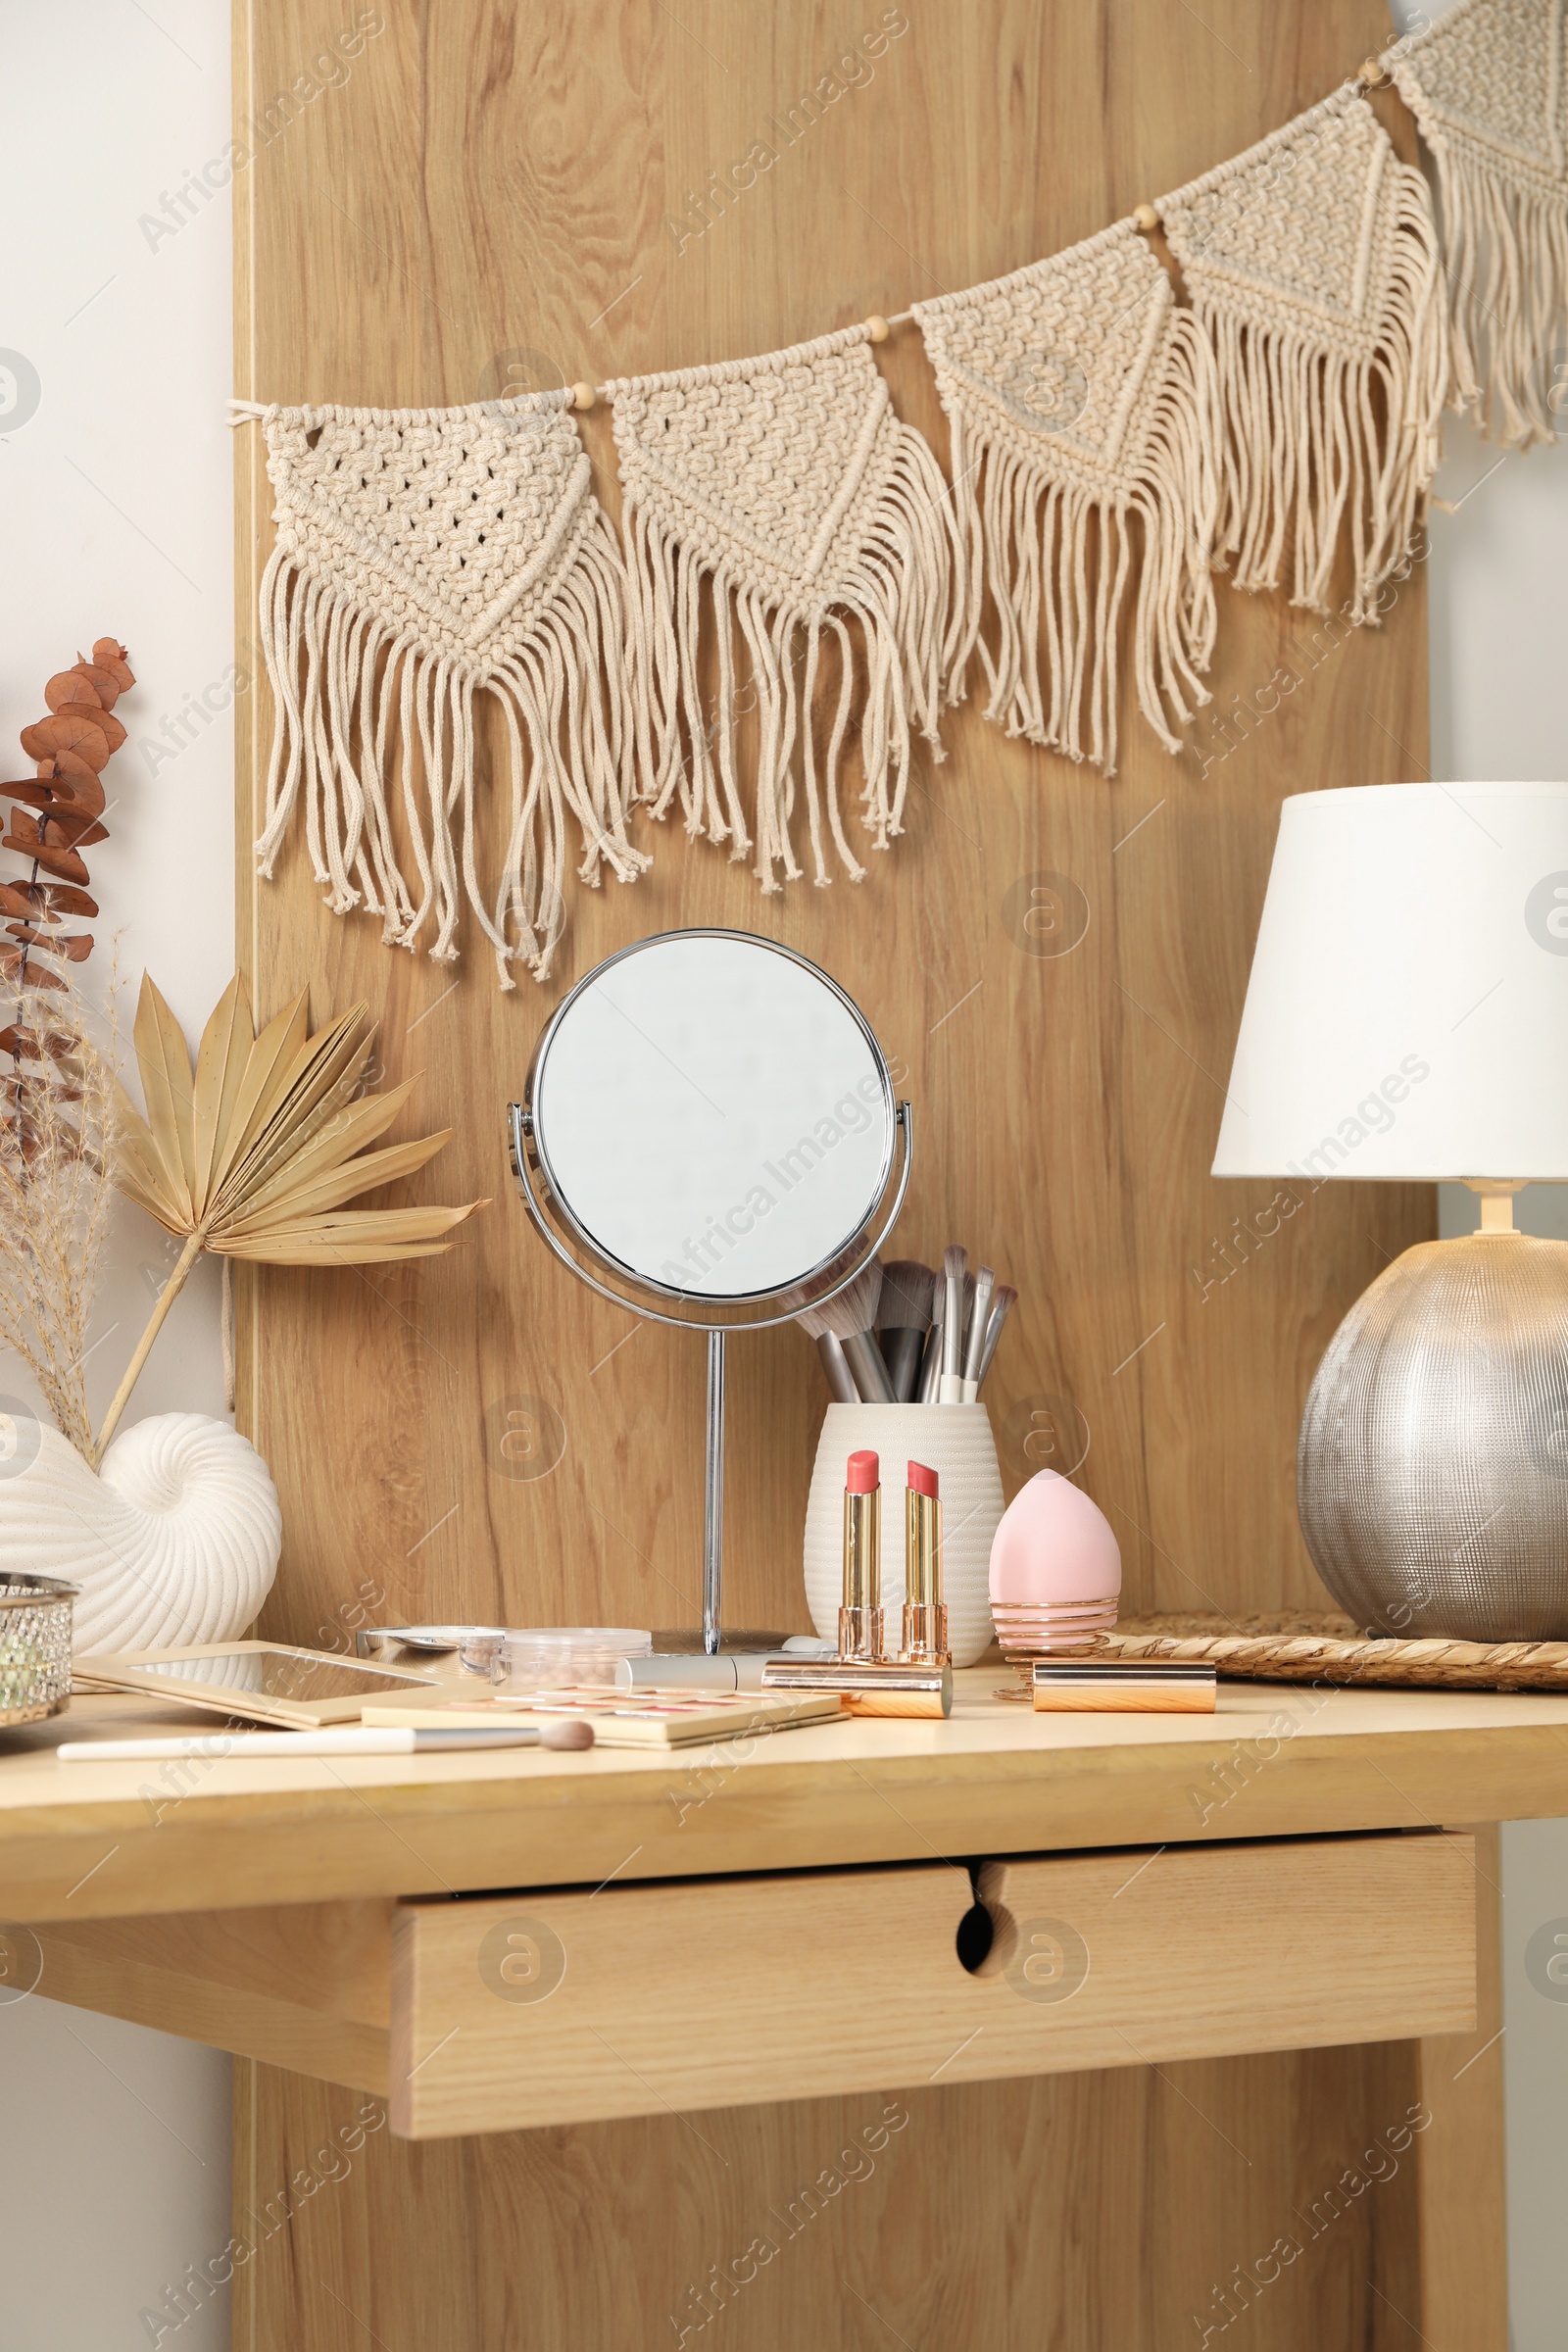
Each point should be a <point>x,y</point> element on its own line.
<point>583,396</point>
<point>1145,218</point>
<point>876,327</point>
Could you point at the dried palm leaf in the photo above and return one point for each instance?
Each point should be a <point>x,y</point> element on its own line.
<point>256,1154</point>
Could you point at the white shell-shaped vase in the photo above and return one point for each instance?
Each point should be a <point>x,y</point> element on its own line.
<point>955,1442</point>
<point>174,1540</point>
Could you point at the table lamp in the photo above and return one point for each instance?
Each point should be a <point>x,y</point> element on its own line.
<point>1406,1021</point>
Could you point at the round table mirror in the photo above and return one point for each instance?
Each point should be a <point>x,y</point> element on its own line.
<point>714,1117</point>
<point>709,1136</point>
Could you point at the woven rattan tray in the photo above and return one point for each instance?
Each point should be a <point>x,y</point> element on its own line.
<point>1329,1649</point>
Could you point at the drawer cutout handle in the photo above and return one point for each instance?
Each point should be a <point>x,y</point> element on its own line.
<point>976,1937</point>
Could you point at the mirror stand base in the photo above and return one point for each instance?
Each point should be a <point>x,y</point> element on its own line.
<point>686,1641</point>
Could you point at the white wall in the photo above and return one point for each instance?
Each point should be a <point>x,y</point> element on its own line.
<point>1499,714</point>
<point>115,504</point>
<point>115,521</point>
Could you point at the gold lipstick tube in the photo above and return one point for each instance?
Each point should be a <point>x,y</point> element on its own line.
<point>1140,1686</point>
<point>860,1616</point>
<point>886,1686</point>
<point>925,1619</point>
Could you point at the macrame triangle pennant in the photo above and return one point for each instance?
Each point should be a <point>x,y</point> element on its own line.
<point>1487,87</point>
<point>1082,408</point>
<point>1312,262</point>
<point>421,557</point>
<point>782,495</point>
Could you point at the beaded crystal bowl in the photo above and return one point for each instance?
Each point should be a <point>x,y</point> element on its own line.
<point>35,1647</point>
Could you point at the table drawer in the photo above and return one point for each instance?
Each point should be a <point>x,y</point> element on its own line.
<point>544,2008</point>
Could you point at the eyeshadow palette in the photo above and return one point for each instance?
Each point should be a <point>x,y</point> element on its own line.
<point>630,1719</point>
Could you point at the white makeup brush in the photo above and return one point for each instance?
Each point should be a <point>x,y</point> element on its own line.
<point>849,1319</point>
<point>985,1282</point>
<point>955,1263</point>
<point>1004,1299</point>
<point>931,1361</point>
<point>903,1319</point>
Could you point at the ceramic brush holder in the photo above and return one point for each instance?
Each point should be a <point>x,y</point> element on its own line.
<point>955,1442</point>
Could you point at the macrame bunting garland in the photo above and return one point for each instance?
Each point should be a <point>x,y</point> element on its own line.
<point>1312,265</point>
<point>1487,87</point>
<point>783,496</point>
<point>423,556</point>
<point>794,573</point>
<point>1084,419</point>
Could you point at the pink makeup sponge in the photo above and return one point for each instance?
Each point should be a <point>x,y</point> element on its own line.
<point>1054,1547</point>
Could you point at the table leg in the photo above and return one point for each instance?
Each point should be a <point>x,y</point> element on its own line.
<point>1464,2278</point>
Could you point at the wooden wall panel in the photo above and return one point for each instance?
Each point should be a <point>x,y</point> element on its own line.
<point>481,197</point>
<point>1269,2201</point>
<point>485,191</point>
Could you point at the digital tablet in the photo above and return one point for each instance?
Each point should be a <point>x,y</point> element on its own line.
<point>260,1681</point>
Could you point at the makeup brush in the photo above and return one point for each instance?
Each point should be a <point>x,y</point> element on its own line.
<point>1004,1299</point>
<point>974,1341</point>
<point>954,1262</point>
<point>931,1361</point>
<point>903,1319</point>
<point>840,1379</point>
<point>849,1319</point>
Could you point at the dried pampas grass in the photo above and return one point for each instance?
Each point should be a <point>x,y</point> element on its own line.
<point>58,1128</point>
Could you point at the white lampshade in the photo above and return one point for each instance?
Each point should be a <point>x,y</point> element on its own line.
<point>1407,1012</point>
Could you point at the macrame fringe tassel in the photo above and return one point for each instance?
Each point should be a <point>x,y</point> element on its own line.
<point>1313,436</point>
<point>1055,553</point>
<point>887,622</point>
<point>1507,263</point>
<point>340,675</point>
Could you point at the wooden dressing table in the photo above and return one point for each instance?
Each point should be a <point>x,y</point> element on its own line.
<point>1252,1941</point>
<point>765,2104</point>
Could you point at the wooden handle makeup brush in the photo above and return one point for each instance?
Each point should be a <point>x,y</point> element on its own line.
<point>985,1282</point>
<point>903,1319</point>
<point>849,1318</point>
<point>955,1263</point>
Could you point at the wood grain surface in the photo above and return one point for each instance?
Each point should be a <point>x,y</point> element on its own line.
<point>308,1987</point>
<point>540,2008</point>
<point>110,1840</point>
<point>1269,2199</point>
<point>740,1991</point>
<point>1464,2269</point>
<point>480,199</point>
<point>1055,963</point>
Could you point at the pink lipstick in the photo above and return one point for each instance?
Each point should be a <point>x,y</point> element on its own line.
<point>861,1615</point>
<point>925,1619</point>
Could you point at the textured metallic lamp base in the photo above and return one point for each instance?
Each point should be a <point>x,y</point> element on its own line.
<point>1431,1470</point>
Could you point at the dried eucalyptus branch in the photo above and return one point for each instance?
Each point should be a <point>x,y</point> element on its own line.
<point>59,1109</point>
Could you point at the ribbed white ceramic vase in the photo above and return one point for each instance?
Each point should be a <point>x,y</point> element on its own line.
<point>176,1540</point>
<point>955,1442</point>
